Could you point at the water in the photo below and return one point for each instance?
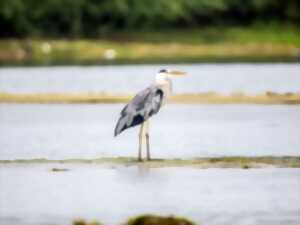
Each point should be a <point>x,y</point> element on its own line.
<point>177,131</point>
<point>221,78</point>
<point>33,195</point>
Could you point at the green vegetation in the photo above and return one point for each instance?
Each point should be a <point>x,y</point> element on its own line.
<point>91,18</point>
<point>201,163</point>
<point>56,32</point>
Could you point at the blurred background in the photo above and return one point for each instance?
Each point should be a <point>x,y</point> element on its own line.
<point>82,31</point>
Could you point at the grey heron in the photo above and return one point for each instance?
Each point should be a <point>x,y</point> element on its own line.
<point>145,104</point>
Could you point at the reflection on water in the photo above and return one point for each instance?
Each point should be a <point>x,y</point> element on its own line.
<point>220,78</point>
<point>112,195</point>
<point>86,131</point>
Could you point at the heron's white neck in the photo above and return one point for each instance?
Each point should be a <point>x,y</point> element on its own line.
<point>165,82</point>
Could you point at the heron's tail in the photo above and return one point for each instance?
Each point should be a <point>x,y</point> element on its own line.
<point>121,125</point>
<point>126,121</point>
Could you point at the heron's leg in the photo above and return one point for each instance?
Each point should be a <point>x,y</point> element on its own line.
<point>140,142</point>
<point>147,140</point>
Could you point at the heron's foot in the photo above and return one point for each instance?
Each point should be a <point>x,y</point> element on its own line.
<point>140,160</point>
<point>148,155</point>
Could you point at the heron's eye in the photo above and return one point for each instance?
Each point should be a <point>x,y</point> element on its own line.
<point>163,71</point>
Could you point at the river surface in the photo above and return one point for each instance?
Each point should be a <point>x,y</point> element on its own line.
<point>33,195</point>
<point>250,79</point>
<point>177,131</point>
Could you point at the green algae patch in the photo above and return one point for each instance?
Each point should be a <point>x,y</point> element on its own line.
<point>201,163</point>
<point>83,222</point>
<point>145,220</point>
<point>158,220</point>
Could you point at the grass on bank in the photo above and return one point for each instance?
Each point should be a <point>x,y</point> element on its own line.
<point>212,44</point>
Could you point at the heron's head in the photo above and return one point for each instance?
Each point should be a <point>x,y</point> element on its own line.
<point>165,74</point>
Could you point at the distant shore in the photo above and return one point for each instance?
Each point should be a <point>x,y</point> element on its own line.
<point>200,98</point>
<point>212,44</point>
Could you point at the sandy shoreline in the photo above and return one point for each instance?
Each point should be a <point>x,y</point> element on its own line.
<point>200,98</point>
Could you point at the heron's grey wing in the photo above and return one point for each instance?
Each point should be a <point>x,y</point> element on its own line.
<point>145,104</point>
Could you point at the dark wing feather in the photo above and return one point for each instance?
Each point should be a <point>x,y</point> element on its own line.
<point>145,104</point>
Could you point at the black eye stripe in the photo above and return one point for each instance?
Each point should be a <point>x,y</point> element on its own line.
<point>163,71</point>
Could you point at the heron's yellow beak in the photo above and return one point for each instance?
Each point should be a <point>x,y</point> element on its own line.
<point>176,73</point>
